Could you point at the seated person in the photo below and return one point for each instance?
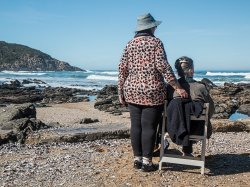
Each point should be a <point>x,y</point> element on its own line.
<point>179,110</point>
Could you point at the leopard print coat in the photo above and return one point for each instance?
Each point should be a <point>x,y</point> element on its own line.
<point>142,69</point>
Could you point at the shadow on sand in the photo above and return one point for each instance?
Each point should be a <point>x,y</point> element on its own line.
<point>220,164</point>
<point>228,164</point>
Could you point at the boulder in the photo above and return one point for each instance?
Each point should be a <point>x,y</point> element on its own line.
<point>17,121</point>
<point>107,100</point>
<point>209,84</point>
<point>88,120</point>
<point>13,112</point>
<point>244,109</point>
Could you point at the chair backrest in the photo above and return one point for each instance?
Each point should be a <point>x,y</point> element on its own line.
<point>202,117</point>
<point>204,114</point>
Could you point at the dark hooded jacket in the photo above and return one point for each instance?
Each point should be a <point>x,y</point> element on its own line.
<point>179,110</point>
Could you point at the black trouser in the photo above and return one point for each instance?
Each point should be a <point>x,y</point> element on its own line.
<point>144,121</point>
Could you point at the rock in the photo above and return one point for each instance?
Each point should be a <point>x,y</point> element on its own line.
<point>232,89</point>
<point>18,95</point>
<point>25,81</point>
<point>88,120</point>
<point>108,90</point>
<point>244,109</point>
<point>225,125</point>
<point>12,85</point>
<point>40,105</point>
<point>35,81</point>
<point>76,135</point>
<point>229,98</point>
<point>15,83</point>
<point>7,136</point>
<point>108,101</point>
<point>209,84</point>
<point>11,93</point>
<point>103,102</point>
<point>13,112</point>
<point>247,123</point>
<point>17,121</point>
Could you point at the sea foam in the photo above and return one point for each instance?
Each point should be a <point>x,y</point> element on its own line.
<point>101,77</point>
<point>228,73</point>
<point>24,73</point>
<point>110,72</point>
<point>247,76</point>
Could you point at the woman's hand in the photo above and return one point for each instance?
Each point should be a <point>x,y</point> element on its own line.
<point>122,100</point>
<point>182,92</point>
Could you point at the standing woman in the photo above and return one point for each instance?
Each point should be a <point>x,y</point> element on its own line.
<point>142,69</point>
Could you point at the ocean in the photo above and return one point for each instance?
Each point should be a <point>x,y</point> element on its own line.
<point>97,79</point>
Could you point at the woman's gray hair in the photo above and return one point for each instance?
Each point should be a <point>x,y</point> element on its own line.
<point>183,65</point>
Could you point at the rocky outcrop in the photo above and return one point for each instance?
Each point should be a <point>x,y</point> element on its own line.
<point>17,94</point>
<point>227,99</point>
<point>107,100</point>
<point>87,132</point>
<point>17,121</point>
<point>225,125</point>
<point>74,135</point>
<point>15,57</point>
<point>244,109</point>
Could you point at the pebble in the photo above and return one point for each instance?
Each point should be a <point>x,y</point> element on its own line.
<point>83,164</point>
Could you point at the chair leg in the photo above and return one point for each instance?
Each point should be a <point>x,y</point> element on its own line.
<point>203,150</point>
<point>203,153</point>
<point>202,170</point>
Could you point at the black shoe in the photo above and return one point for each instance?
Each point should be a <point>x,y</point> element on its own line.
<point>149,168</point>
<point>137,164</point>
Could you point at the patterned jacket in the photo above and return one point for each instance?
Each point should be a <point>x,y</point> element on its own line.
<point>142,69</point>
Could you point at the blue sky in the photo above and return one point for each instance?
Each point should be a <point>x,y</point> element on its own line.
<point>92,34</point>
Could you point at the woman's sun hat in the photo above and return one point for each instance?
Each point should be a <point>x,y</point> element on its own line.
<point>146,21</point>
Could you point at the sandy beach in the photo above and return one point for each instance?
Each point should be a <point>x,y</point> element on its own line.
<point>70,114</point>
<point>109,162</point>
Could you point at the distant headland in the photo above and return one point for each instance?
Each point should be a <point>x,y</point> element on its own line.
<point>16,57</point>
